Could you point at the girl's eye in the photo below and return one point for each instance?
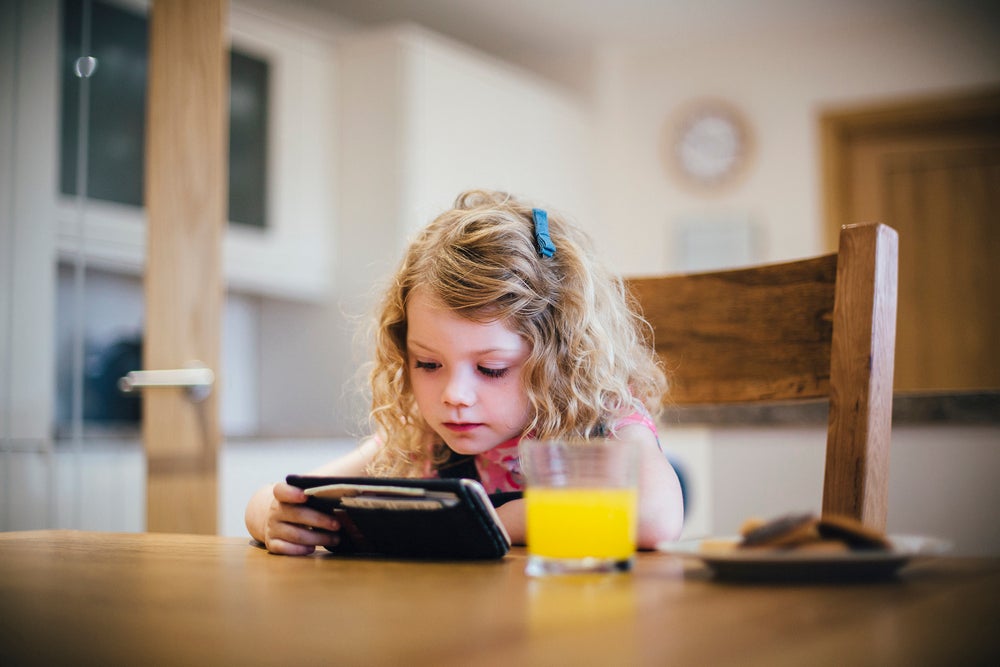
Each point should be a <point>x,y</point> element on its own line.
<point>492,372</point>
<point>427,365</point>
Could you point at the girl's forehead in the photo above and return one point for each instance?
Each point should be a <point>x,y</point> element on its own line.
<point>423,301</point>
<point>431,324</point>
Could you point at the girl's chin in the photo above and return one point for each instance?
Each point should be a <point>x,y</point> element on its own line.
<point>465,446</point>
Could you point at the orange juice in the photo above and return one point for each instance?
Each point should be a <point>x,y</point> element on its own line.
<point>580,522</point>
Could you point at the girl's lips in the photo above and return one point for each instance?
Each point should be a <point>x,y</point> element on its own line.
<point>460,428</point>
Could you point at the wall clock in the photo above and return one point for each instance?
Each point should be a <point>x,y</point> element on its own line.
<point>708,144</point>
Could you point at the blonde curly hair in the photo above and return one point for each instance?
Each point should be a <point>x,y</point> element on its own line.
<point>590,362</point>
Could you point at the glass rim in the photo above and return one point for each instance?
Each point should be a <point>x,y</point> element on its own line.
<point>574,441</point>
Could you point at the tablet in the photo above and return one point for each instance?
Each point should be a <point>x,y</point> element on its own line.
<point>451,519</point>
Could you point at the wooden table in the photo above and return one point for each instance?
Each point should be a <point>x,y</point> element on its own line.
<point>153,599</point>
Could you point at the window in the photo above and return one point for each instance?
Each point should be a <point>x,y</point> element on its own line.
<point>248,79</point>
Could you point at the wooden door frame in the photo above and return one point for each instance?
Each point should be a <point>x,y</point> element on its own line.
<point>839,127</point>
<point>867,149</point>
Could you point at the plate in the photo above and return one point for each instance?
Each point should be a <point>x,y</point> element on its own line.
<point>775,565</point>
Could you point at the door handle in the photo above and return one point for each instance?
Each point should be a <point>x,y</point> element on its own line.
<point>196,379</point>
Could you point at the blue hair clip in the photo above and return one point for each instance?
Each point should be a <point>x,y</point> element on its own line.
<point>545,246</point>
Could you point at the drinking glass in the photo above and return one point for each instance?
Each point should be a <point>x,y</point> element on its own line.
<point>581,501</point>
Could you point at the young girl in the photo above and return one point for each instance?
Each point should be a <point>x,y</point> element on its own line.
<point>499,323</point>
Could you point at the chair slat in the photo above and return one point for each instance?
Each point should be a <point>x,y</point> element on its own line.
<point>761,333</point>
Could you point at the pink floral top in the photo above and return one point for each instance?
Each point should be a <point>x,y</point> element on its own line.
<point>500,470</point>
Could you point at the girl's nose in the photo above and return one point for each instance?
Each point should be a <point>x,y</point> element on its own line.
<point>459,390</point>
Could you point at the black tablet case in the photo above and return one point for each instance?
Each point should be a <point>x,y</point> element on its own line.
<point>464,531</point>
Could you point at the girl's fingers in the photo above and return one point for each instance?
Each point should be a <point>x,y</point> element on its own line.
<point>294,528</point>
<point>290,508</point>
<point>286,534</point>
<point>307,516</point>
<point>277,546</point>
<point>286,493</point>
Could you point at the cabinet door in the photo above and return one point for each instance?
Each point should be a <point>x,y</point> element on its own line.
<point>280,208</point>
<point>44,484</point>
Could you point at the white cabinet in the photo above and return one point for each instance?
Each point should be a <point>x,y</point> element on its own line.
<point>424,118</point>
<point>291,257</point>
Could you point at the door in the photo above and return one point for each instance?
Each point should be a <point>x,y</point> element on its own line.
<point>72,310</point>
<point>179,56</point>
<point>930,169</point>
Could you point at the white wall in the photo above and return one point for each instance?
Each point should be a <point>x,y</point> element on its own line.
<point>476,122</point>
<point>781,82</point>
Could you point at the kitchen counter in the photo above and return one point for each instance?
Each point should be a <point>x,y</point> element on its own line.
<point>952,407</point>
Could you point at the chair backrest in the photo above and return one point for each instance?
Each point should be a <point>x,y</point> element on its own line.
<point>812,328</point>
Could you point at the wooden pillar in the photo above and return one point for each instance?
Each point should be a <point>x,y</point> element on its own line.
<point>856,481</point>
<point>186,196</point>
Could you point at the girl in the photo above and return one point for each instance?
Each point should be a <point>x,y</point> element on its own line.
<point>499,323</point>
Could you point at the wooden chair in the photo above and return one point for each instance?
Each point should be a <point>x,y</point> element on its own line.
<point>823,327</point>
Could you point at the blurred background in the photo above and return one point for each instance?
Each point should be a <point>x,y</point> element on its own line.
<point>681,134</point>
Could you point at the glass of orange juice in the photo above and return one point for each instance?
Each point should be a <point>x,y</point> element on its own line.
<point>582,505</point>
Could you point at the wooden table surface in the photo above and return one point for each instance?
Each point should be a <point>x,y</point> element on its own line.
<point>151,599</point>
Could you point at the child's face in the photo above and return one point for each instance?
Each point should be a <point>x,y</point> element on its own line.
<point>466,376</point>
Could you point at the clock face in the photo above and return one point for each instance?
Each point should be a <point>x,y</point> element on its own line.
<point>709,145</point>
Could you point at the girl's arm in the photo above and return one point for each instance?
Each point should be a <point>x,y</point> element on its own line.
<point>661,505</point>
<point>512,516</point>
<point>277,516</point>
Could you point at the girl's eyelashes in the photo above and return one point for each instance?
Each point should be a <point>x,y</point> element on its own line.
<point>492,373</point>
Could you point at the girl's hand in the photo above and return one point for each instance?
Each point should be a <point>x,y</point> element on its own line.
<point>293,529</point>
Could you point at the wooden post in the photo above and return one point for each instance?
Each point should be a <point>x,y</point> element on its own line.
<point>864,333</point>
<point>186,185</point>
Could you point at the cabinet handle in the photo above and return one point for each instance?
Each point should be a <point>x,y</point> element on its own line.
<point>196,379</point>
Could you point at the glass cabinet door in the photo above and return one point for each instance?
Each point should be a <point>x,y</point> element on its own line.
<point>97,464</point>
<point>74,90</point>
<point>73,87</point>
